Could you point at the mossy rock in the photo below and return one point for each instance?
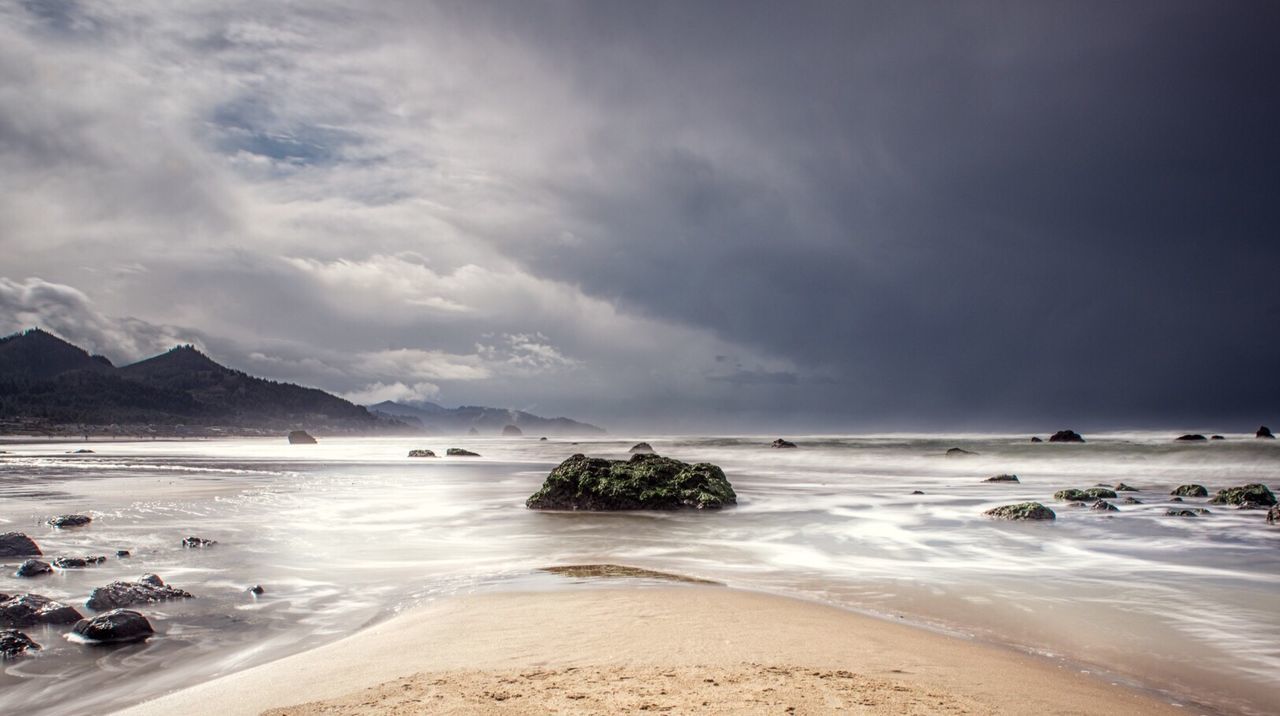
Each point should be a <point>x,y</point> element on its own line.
<point>1251,495</point>
<point>1103,506</point>
<point>1003,478</point>
<point>645,482</point>
<point>1190,491</point>
<point>1022,511</point>
<point>1093,493</point>
<point>1121,487</point>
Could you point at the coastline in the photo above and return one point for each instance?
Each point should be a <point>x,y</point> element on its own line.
<point>709,648</point>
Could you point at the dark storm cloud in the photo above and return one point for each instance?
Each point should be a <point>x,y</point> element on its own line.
<point>704,214</point>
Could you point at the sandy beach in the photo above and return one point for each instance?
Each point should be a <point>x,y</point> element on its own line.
<point>679,649</point>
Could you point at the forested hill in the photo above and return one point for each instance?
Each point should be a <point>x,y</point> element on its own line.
<point>46,380</point>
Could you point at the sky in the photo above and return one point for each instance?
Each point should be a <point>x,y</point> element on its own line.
<point>685,216</point>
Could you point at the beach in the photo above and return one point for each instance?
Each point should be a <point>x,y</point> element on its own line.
<point>350,538</point>
<point>679,649</point>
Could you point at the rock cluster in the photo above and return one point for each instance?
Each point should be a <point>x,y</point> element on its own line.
<point>197,542</point>
<point>78,562</point>
<point>1093,493</point>
<point>645,482</point>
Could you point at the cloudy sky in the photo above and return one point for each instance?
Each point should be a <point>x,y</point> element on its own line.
<point>689,215</point>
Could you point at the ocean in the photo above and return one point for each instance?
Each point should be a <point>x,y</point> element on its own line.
<point>351,531</point>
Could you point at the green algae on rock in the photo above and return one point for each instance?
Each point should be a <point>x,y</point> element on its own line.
<point>645,482</point>
<point>1093,493</point>
<point>1251,495</point>
<point>1022,511</point>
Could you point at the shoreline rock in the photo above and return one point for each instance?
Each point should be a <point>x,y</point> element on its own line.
<point>1003,478</point>
<point>1264,432</point>
<point>641,448</point>
<point>959,452</point>
<point>1249,496</point>
<point>118,626</point>
<point>77,562</point>
<point>645,482</point>
<point>1093,493</point>
<point>1190,491</point>
<point>17,544</point>
<point>33,568</point>
<point>147,590</point>
<point>780,444</point>
<point>70,520</point>
<point>459,452</point>
<point>14,643</point>
<point>421,453</point>
<point>24,610</point>
<point>1021,511</point>
<point>197,543</point>
<point>1190,438</point>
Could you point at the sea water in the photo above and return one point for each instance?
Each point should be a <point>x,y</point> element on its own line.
<point>350,531</point>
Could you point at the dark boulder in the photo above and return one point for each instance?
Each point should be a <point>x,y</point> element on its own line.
<point>1245,496</point>
<point>14,643</point>
<point>123,553</point>
<point>542,440</point>
<point>1186,512</point>
<point>16,544</point>
<point>780,443</point>
<point>300,437</point>
<point>645,482</point>
<point>24,610</point>
<point>1066,436</point>
<point>1190,491</point>
<point>641,448</point>
<point>421,453</point>
<point>70,520</point>
<point>459,452</point>
<point>1216,437</point>
<point>1021,511</point>
<point>1132,501</point>
<point>81,451</point>
<point>1190,438</point>
<point>1273,515</point>
<point>1093,493</point>
<point>1175,499</point>
<point>77,562</point>
<point>256,590</point>
<point>511,431</point>
<point>33,568</point>
<point>118,626</point>
<point>1263,432</point>
<point>1003,478</point>
<point>147,590</point>
<point>1103,506</point>
<point>1036,440</point>
<point>959,452</point>
<point>917,492</point>
<point>197,543</point>
<point>1121,487</point>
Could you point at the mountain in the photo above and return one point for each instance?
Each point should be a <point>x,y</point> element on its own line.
<point>440,419</point>
<point>46,381</point>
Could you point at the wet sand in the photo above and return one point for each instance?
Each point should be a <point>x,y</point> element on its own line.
<point>678,649</point>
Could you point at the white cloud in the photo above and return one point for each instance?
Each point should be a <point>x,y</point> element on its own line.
<point>379,392</point>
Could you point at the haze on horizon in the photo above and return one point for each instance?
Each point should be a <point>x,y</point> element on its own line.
<point>710,215</point>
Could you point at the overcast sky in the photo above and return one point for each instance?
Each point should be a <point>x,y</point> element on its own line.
<point>686,215</point>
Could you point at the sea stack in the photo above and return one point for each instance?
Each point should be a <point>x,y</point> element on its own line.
<point>1066,436</point>
<point>300,437</point>
<point>1264,432</point>
<point>511,431</point>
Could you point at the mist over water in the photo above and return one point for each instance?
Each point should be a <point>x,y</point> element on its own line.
<point>349,531</point>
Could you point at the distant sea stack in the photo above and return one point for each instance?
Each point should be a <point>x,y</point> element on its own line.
<point>1191,438</point>
<point>780,443</point>
<point>641,448</point>
<point>300,437</point>
<point>1066,436</point>
<point>511,431</point>
<point>1264,432</point>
